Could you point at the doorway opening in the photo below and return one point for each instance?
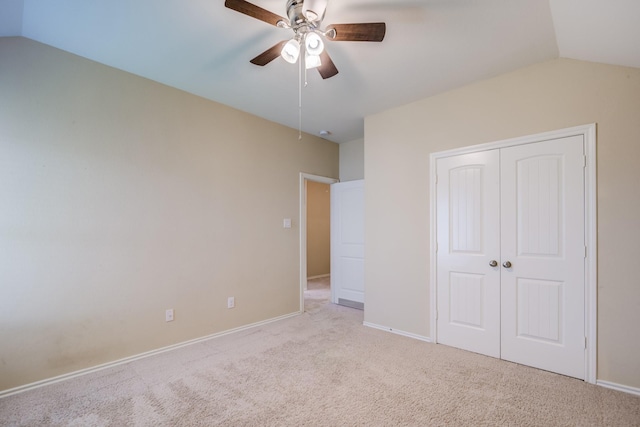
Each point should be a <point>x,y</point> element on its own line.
<point>315,237</point>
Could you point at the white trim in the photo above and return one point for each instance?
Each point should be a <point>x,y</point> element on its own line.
<point>397,332</point>
<point>433,249</point>
<point>70,375</point>
<point>591,303</point>
<point>320,276</point>
<point>586,130</point>
<point>591,263</point>
<point>303,227</point>
<point>619,387</point>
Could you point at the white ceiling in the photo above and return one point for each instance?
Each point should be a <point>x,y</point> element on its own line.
<point>431,46</point>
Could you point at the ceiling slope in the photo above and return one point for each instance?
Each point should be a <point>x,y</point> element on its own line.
<point>598,31</point>
<point>431,46</point>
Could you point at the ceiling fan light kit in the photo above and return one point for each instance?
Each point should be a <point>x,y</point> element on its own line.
<point>291,51</point>
<point>312,61</point>
<point>305,19</point>
<point>313,43</point>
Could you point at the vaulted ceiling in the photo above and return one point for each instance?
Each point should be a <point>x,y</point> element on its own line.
<point>431,46</point>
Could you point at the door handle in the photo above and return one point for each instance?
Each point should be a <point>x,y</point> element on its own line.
<point>493,263</point>
<point>506,264</point>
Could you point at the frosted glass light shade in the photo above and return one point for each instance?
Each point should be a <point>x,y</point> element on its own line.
<point>291,51</point>
<point>312,61</point>
<point>313,44</point>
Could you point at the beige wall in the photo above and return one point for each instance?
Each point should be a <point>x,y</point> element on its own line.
<point>352,160</point>
<point>120,198</point>
<point>318,229</point>
<point>544,97</point>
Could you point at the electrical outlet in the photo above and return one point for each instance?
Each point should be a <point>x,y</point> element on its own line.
<point>168,315</point>
<point>231,302</point>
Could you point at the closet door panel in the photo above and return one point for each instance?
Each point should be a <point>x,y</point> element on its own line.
<point>542,237</point>
<point>468,222</point>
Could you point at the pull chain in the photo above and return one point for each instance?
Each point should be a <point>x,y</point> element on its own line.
<point>300,99</point>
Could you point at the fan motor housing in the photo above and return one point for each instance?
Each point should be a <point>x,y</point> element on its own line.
<point>294,12</point>
<point>306,15</point>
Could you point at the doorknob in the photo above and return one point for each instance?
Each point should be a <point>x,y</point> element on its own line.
<point>493,263</point>
<point>506,264</point>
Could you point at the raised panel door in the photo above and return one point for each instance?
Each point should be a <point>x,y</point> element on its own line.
<point>542,236</point>
<point>347,243</point>
<point>468,218</point>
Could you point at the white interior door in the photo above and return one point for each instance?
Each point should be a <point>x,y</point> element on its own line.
<point>468,221</point>
<point>543,238</point>
<point>347,243</point>
<point>523,207</point>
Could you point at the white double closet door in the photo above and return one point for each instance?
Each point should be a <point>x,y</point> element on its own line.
<point>511,254</point>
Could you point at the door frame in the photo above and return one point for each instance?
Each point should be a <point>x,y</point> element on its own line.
<point>304,177</point>
<point>590,303</point>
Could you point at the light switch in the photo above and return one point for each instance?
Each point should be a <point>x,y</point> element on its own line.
<point>286,223</point>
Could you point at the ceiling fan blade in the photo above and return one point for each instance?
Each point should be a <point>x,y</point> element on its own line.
<point>269,55</point>
<point>254,11</point>
<point>366,32</point>
<point>328,68</point>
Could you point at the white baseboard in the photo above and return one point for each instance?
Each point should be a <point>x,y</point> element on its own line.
<point>619,387</point>
<point>320,276</point>
<point>64,377</point>
<point>397,331</point>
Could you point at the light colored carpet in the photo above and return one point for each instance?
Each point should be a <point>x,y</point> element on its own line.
<point>322,368</point>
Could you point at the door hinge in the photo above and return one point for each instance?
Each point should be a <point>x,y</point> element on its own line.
<point>584,161</point>
<point>585,251</point>
<point>585,343</point>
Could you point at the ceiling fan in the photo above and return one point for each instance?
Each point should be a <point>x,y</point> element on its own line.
<point>305,19</point>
